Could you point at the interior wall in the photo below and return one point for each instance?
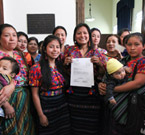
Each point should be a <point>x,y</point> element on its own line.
<point>102,14</point>
<point>15,13</point>
<point>137,16</point>
<point>105,15</point>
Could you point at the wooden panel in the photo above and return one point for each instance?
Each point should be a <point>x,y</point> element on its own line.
<point>143,18</point>
<point>40,23</point>
<point>1,12</point>
<point>79,11</point>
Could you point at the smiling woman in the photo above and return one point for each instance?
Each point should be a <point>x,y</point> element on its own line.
<point>48,91</point>
<point>33,49</point>
<point>84,102</point>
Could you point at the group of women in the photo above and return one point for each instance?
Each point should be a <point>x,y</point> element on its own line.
<point>43,100</point>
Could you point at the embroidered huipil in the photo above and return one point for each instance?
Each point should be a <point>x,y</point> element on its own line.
<point>36,81</point>
<point>74,52</point>
<point>21,78</point>
<point>140,65</point>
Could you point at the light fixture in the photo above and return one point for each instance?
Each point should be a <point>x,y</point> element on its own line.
<point>90,18</point>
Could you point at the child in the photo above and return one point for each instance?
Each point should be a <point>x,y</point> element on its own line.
<point>116,76</point>
<point>8,70</point>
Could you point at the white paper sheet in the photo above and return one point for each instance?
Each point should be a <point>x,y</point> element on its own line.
<point>82,73</point>
<point>1,112</point>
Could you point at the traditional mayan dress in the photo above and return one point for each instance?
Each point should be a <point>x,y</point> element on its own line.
<point>84,103</point>
<point>22,123</point>
<point>117,128</point>
<point>53,102</point>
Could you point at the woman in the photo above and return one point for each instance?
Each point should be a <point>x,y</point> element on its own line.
<point>134,45</point>
<point>111,42</point>
<point>21,48</point>
<point>61,33</point>
<point>47,83</point>
<point>33,49</point>
<point>22,122</point>
<point>96,37</point>
<point>84,103</point>
<point>122,33</point>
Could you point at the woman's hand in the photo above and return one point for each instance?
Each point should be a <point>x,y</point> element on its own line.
<point>43,120</point>
<point>67,60</point>
<point>6,92</point>
<point>119,54</point>
<point>102,88</point>
<point>96,60</point>
<point>9,111</point>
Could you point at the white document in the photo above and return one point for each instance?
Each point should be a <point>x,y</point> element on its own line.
<point>120,47</point>
<point>82,73</point>
<point>1,112</point>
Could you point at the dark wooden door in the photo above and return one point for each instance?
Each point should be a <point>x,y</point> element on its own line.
<point>1,12</point>
<point>79,11</point>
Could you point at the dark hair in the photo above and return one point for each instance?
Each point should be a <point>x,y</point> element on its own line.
<point>20,33</point>
<point>39,44</point>
<point>122,30</point>
<point>114,36</point>
<point>15,65</point>
<point>124,40</point>
<point>33,38</point>
<point>90,44</point>
<point>44,63</point>
<point>93,29</point>
<point>3,26</point>
<point>59,27</point>
<point>136,34</point>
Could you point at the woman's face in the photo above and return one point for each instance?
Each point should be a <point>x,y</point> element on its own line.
<point>134,47</point>
<point>111,43</point>
<point>53,49</point>
<point>60,33</point>
<point>82,36</point>
<point>22,43</point>
<point>8,39</point>
<point>32,47</point>
<point>125,33</point>
<point>96,37</point>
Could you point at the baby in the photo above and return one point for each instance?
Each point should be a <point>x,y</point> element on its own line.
<point>116,76</point>
<point>9,68</point>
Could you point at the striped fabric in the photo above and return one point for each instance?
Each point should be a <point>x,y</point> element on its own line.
<point>21,124</point>
<point>56,110</point>
<point>85,112</point>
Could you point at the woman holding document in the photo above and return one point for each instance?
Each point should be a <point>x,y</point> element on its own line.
<point>84,101</point>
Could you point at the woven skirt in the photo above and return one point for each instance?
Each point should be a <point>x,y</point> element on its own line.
<point>85,111</point>
<point>22,123</point>
<point>56,110</point>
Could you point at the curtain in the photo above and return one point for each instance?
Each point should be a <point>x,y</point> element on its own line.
<point>124,14</point>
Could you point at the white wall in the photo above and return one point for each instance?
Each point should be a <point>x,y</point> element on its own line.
<point>15,13</point>
<point>136,22</point>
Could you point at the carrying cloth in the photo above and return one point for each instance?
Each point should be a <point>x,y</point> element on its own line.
<point>120,110</point>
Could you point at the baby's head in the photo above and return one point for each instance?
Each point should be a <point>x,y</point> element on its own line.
<point>9,66</point>
<point>115,69</point>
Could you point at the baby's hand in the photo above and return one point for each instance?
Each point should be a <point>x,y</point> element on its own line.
<point>9,111</point>
<point>113,101</point>
<point>128,70</point>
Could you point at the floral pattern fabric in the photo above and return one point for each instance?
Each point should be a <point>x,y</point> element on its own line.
<point>56,84</point>
<point>22,77</point>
